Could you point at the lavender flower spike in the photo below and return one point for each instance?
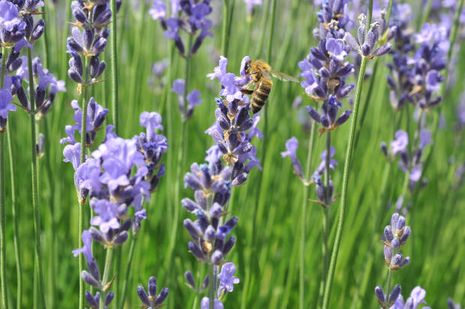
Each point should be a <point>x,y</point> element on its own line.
<point>151,300</point>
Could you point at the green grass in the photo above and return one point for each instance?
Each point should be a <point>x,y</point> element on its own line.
<point>267,260</point>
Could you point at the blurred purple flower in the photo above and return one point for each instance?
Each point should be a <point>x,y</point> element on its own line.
<point>193,98</point>
<point>205,304</point>
<point>251,4</point>
<point>400,142</point>
<point>227,279</point>
<point>188,16</point>
<point>291,151</point>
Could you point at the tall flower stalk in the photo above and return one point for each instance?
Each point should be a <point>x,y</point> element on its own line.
<point>324,73</point>
<point>2,196</point>
<point>87,41</point>
<point>395,236</point>
<point>228,164</point>
<point>371,42</point>
<point>19,28</point>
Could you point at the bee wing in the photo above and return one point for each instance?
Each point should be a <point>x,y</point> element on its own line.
<point>284,77</point>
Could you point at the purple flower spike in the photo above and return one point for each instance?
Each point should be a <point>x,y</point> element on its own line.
<point>152,300</point>
<point>186,16</point>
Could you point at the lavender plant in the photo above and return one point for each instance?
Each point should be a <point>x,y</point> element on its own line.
<point>228,164</point>
<point>88,40</point>
<point>117,178</point>
<point>324,72</point>
<point>395,236</point>
<point>20,28</point>
<point>371,42</point>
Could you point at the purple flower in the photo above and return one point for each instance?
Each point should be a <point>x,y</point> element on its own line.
<point>329,118</point>
<point>5,103</point>
<point>107,214</point>
<point>12,27</point>
<point>88,40</point>
<point>251,4</point>
<point>158,10</point>
<point>151,121</point>
<point>205,304</point>
<point>291,151</point>
<point>188,16</point>
<point>395,236</point>
<point>227,279</point>
<point>72,153</point>
<point>193,98</point>
<point>417,297</point>
<point>371,39</point>
<point>87,248</point>
<point>400,142</point>
<point>386,301</point>
<point>152,300</point>
<point>96,115</point>
<point>231,84</point>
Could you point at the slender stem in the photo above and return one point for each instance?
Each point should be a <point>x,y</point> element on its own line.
<point>230,19</point>
<point>388,282</point>
<point>370,13</point>
<point>272,26</point>
<point>46,40</point>
<point>212,289</point>
<point>225,38</point>
<point>2,197</point>
<point>35,182</point>
<point>325,223</point>
<point>128,270</point>
<point>106,274</point>
<point>14,212</point>
<point>303,216</point>
<point>345,182</point>
<point>81,160</point>
<point>114,68</point>
<point>181,154</point>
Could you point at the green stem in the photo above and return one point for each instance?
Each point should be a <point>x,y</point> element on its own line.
<point>35,182</point>
<point>325,223</point>
<point>2,197</point>
<point>106,274</point>
<point>225,37</point>
<point>303,217</point>
<point>128,270</point>
<point>82,158</point>
<point>19,280</point>
<point>114,68</point>
<point>345,182</point>
<point>212,289</point>
<point>181,154</point>
<point>269,52</point>
<point>388,283</point>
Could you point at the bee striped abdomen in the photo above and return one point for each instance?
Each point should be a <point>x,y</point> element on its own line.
<point>260,95</point>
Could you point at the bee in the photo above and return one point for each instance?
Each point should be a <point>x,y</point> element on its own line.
<point>260,74</point>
